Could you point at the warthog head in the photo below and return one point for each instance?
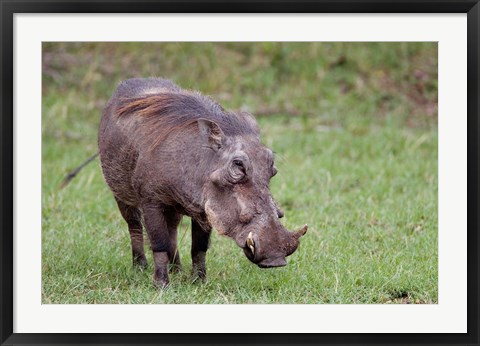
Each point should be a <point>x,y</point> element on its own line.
<point>238,202</point>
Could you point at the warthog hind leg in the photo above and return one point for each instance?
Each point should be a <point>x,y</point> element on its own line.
<point>133,219</point>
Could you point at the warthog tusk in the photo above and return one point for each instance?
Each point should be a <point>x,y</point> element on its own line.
<point>251,243</point>
<point>301,231</point>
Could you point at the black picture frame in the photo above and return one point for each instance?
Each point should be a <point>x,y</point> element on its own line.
<point>9,8</point>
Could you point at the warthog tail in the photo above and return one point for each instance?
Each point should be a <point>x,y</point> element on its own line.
<point>73,173</point>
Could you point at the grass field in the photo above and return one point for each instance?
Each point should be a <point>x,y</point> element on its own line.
<point>354,126</point>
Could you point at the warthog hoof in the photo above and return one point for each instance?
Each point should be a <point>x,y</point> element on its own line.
<point>160,284</point>
<point>140,263</point>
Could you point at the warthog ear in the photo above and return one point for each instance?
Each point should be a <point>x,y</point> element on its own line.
<point>211,132</point>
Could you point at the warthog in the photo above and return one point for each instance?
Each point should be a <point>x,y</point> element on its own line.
<point>167,152</point>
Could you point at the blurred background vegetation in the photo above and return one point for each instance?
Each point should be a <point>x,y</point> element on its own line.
<point>354,126</point>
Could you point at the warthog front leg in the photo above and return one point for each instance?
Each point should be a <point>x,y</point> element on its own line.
<point>200,242</point>
<point>157,230</point>
<point>172,219</point>
<point>133,219</point>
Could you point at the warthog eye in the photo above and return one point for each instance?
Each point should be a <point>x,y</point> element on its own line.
<point>238,163</point>
<point>238,168</point>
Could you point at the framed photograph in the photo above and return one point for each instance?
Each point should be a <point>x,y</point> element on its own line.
<point>239,173</point>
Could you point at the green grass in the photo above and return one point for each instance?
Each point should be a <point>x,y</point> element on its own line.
<point>354,128</point>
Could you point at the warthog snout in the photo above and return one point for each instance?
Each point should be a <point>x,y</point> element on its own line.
<point>267,254</point>
<point>272,263</point>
